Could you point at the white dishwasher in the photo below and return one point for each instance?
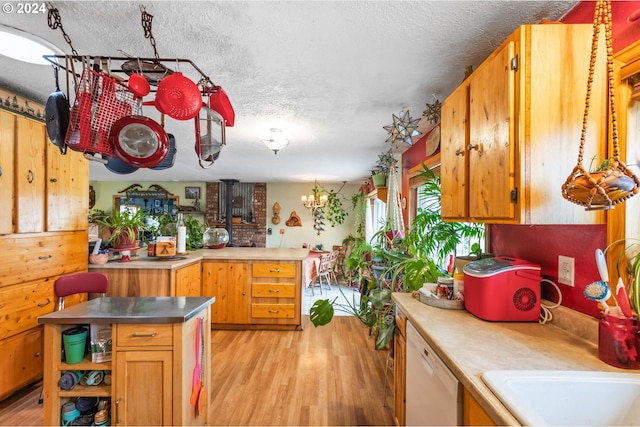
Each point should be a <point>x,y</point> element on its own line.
<point>434,397</point>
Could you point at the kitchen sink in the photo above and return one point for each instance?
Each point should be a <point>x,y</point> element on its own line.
<point>560,398</point>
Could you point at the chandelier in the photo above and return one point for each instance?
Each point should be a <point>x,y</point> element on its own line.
<point>315,200</point>
<point>275,140</point>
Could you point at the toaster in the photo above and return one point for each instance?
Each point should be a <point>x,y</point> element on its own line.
<point>503,289</point>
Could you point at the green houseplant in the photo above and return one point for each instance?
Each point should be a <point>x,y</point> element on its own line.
<point>124,226</point>
<point>383,167</point>
<point>410,261</point>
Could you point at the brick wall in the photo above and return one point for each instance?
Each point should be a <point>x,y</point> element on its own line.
<point>243,234</point>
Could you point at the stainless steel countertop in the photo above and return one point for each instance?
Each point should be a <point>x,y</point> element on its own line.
<point>109,310</point>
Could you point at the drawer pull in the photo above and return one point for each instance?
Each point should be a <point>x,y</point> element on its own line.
<point>274,290</point>
<point>277,270</point>
<point>30,176</point>
<point>136,335</point>
<point>274,311</point>
<point>44,257</point>
<point>37,354</point>
<point>43,304</point>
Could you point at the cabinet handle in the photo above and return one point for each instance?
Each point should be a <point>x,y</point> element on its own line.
<point>53,180</point>
<point>44,257</point>
<point>274,271</point>
<point>274,290</point>
<point>460,152</point>
<point>135,335</point>
<point>118,421</point>
<point>42,304</point>
<point>274,311</point>
<point>37,354</point>
<point>473,147</point>
<point>0,170</point>
<point>30,176</point>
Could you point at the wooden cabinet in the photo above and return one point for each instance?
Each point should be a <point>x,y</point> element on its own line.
<point>400,368</point>
<point>228,281</point>
<point>472,413</point>
<point>511,131</point>
<point>274,290</point>
<point>43,237</point>
<point>262,293</point>
<point>152,366</point>
<point>7,137</point>
<point>150,282</point>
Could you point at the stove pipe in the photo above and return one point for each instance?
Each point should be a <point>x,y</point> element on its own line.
<point>228,206</point>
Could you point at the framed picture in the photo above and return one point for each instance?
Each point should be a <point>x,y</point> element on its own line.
<point>192,192</point>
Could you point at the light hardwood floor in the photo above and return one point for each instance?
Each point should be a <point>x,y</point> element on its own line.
<point>320,376</point>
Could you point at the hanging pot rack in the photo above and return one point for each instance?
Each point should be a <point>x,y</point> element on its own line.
<point>114,68</point>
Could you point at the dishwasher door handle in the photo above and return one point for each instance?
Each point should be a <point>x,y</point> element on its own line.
<point>424,357</point>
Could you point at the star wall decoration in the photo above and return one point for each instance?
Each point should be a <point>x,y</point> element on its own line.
<point>402,129</point>
<point>432,113</point>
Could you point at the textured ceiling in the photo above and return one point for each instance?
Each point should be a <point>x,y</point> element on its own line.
<point>330,73</point>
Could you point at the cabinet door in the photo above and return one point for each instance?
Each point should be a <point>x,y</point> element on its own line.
<point>189,281</point>
<point>7,135</point>
<point>491,134</point>
<point>143,388</point>
<point>21,362</point>
<point>454,156</point>
<point>30,175</point>
<point>399,375</point>
<point>229,283</point>
<point>67,190</point>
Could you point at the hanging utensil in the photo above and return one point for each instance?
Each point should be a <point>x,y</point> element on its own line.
<point>219,101</point>
<point>139,141</point>
<point>57,115</point>
<point>178,97</point>
<point>207,146</point>
<point>153,72</point>
<point>171,155</point>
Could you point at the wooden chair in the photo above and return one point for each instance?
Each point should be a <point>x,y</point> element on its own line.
<point>325,270</point>
<point>78,283</point>
<point>341,255</point>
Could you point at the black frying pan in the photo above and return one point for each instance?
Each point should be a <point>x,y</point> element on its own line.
<point>56,113</point>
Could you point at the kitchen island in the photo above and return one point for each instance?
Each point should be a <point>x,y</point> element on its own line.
<point>254,287</point>
<point>153,359</point>
<point>470,346</point>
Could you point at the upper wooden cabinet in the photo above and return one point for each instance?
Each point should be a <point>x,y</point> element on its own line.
<point>30,139</point>
<point>7,136</point>
<point>511,131</point>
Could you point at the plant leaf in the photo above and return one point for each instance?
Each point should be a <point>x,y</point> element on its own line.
<point>321,312</point>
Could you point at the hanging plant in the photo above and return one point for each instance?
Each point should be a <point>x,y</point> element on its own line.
<point>336,213</point>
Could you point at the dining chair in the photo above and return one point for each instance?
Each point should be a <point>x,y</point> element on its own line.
<point>78,283</point>
<point>341,252</point>
<point>325,269</point>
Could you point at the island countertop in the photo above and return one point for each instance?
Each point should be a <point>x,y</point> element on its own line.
<point>142,261</point>
<point>108,310</point>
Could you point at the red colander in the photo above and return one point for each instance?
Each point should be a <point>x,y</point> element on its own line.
<point>178,97</point>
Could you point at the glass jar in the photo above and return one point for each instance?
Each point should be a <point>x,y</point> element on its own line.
<point>618,341</point>
<point>215,238</point>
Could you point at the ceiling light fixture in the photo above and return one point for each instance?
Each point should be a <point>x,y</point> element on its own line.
<point>315,200</point>
<point>275,140</point>
<point>25,47</point>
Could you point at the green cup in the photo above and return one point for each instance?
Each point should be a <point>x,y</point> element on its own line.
<point>75,343</point>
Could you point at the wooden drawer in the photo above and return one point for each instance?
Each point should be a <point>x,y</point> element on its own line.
<point>36,256</point>
<point>273,311</point>
<point>21,305</point>
<point>274,270</point>
<point>273,290</point>
<point>144,335</point>
<point>21,362</point>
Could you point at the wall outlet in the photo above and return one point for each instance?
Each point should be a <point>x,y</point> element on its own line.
<point>566,270</point>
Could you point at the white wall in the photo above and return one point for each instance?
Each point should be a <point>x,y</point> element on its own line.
<point>288,196</point>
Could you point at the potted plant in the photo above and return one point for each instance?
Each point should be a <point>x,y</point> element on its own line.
<point>195,232</point>
<point>383,167</point>
<point>124,226</point>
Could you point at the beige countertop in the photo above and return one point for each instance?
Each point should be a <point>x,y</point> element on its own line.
<point>141,261</point>
<point>471,346</point>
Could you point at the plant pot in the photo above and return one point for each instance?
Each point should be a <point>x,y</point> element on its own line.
<point>123,241</point>
<point>379,180</point>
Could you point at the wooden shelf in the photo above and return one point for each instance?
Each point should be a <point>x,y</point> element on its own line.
<point>380,193</point>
